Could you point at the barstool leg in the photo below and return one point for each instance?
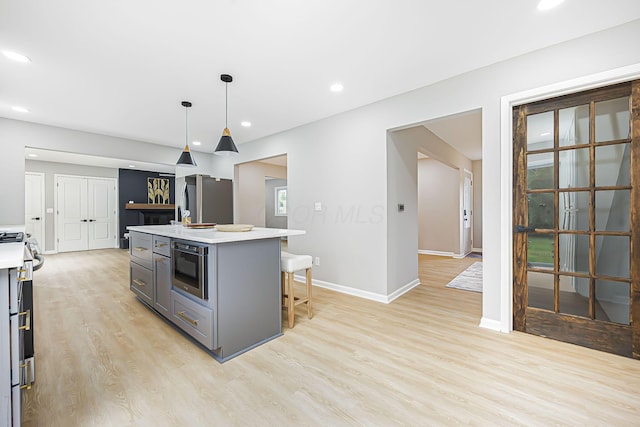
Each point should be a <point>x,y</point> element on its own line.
<point>290,300</point>
<point>282,286</point>
<point>309,310</point>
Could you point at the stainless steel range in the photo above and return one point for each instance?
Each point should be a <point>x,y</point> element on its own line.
<point>16,304</point>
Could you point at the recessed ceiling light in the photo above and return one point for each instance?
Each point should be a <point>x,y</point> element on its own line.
<point>132,166</point>
<point>197,143</point>
<point>245,124</point>
<point>15,56</point>
<point>32,155</point>
<point>545,134</point>
<point>336,87</point>
<point>20,109</point>
<point>548,4</point>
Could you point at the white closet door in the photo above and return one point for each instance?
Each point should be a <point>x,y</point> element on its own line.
<point>34,206</point>
<point>72,214</point>
<point>102,213</point>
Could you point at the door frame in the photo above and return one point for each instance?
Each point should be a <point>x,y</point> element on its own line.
<point>43,210</point>
<point>507,102</point>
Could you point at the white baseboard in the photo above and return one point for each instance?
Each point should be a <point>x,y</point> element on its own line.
<point>476,250</point>
<point>460,256</point>
<point>386,299</point>
<point>436,253</point>
<point>494,325</point>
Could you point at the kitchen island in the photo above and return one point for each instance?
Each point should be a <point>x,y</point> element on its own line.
<point>222,289</point>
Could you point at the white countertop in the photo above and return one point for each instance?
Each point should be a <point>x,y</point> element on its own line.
<point>211,235</point>
<point>11,254</point>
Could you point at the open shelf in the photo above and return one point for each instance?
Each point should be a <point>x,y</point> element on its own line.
<point>150,206</point>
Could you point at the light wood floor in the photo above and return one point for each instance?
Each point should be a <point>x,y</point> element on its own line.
<point>103,359</point>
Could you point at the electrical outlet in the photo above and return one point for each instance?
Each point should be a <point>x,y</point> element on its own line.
<point>316,261</point>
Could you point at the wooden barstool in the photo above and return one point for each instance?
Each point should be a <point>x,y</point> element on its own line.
<point>290,263</point>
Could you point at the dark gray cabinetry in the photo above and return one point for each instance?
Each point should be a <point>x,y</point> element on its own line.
<point>162,275</point>
<point>140,267</point>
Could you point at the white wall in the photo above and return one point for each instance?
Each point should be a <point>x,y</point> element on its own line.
<point>477,204</point>
<point>343,162</point>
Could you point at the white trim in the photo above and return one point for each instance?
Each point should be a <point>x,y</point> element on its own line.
<point>493,325</point>
<point>507,102</point>
<point>460,256</point>
<point>386,299</point>
<point>436,253</point>
<point>476,250</point>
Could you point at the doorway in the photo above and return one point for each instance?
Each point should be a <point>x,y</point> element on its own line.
<point>576,236</point>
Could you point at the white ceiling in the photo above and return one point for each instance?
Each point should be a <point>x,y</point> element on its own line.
<point>121,67</point>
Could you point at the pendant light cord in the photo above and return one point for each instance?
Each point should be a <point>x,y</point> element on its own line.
<point>226,107</point>
<point>186,126</point>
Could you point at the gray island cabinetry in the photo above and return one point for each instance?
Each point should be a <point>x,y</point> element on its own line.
<point>222,289</point>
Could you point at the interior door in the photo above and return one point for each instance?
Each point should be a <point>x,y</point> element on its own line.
<point>34,206</point>
<point>101,213</point>
<point>576,203</point>
<point>72,218</point>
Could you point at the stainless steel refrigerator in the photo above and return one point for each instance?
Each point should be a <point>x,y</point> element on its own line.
<point>208,199</point>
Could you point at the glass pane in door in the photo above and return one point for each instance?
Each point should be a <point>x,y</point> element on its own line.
<point>612,210</point>
<point>540,171</point>
<point>574,253</point>
<point>574,296</point>
<point>573,210</point>
<point>540,210</point>
<point>613,165</point>
<point>540,131</point>
<point>612,119</point>
<point>540,290</point>
<point>574,168</point>
<point>574,126</point>
<point>612,256</point>
<point>540,250</point>
<point>612,301</point>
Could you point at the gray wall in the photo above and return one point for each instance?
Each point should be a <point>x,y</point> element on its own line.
<point>50,169</point>
<point>438,207</point>
<point>271,220</point>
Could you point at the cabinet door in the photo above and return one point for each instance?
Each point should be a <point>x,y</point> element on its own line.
<point>162,284</point>
<point>141,282</point>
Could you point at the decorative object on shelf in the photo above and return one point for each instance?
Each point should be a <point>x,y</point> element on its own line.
<point>234,227</point>
<point>226,146</point>
<point>158,191</point>
<point>185,158</point>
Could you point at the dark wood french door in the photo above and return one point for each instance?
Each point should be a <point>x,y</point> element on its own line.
<point>577,218</point>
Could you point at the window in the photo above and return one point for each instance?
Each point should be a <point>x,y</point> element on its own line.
<point>281,201</point>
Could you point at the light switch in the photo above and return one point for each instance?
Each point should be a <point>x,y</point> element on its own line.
<point>317,206</point>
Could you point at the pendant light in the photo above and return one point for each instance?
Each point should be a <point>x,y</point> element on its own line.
<point>185,158</point>
<point>226,145</point>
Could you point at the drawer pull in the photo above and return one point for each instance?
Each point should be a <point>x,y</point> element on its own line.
<point>161,260</point>
<point>140,249</point>
<point>186,318</point>
<point>26,367</point>
<point>27,321</point>
<point>139,282</point>
<point>160,245</point>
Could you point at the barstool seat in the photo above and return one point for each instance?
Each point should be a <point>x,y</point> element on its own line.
<point>290,263</point>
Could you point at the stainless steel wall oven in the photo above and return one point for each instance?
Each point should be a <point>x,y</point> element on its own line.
<point>189,268</point>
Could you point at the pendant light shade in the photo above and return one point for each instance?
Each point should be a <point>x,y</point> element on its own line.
<point>185,158</point>
<point>226,146</point>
